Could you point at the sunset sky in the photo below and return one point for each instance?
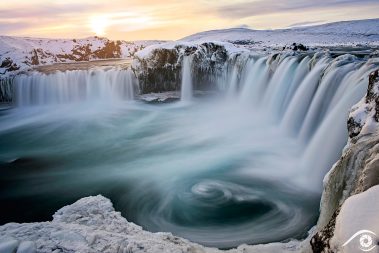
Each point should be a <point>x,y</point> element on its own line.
<point>170,19</point>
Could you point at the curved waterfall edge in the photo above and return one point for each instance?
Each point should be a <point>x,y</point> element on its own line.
<point>348,176</point>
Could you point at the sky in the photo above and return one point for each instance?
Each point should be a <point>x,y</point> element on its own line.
<point>169,19</point>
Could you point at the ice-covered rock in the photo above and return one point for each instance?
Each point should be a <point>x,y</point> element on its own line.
<point>355,172</point>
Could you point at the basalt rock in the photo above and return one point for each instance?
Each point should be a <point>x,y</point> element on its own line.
<point>160,70</point>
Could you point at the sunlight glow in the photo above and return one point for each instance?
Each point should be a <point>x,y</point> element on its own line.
<point>99,24</point>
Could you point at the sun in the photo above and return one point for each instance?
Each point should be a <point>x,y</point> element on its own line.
<point>99,25</point>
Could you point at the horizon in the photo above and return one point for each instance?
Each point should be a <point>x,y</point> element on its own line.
<point>171,20</point>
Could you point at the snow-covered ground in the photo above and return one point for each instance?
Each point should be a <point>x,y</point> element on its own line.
<point>24,52</point>
<point>365,32</point>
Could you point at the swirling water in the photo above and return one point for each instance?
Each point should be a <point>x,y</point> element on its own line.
<point>221,171</point>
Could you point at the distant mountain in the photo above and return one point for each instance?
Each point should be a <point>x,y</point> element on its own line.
<point>339,33</point>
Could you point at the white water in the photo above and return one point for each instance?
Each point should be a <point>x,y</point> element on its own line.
<point>96,85</point>
<point>246,169</point>
<point>186,87</point>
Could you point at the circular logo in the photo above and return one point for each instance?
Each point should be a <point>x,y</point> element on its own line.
<point>366,241</point>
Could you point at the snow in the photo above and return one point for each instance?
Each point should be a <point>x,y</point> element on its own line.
<point>21,49</point>
<point>92,225</point>
<point>364,112</point>
<point>146,52</point>
<point>333,34</point>
<point>359,212</point>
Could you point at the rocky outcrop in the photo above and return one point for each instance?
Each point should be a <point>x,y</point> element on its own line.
<point>356,171</point>
<point>6,90</point>
<point>110,50</point>
<point>7,65</point>
<point>159,69</point>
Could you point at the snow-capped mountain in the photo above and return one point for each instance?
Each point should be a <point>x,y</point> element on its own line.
<point>364,32</point>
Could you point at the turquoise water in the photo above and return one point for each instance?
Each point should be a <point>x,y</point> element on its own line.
<point>212,171</point>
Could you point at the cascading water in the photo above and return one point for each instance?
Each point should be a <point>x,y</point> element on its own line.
<point>186,91</point>
<point>101,85</point>
<point>246,169</point>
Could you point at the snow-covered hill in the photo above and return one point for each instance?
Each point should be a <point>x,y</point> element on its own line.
<point>23,52</point>
<point>20,53</point>
<point>365,32</point>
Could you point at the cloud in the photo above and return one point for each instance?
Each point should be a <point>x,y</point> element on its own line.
<point>7,27</point>
<point>259,7</point>
<point>45,11</point>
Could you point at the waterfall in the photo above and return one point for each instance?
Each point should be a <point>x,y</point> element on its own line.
<point>96,85</point>
<point>309,99</point>
<point>186,91</point>
<point>306,96</point>
<point>246,165</point>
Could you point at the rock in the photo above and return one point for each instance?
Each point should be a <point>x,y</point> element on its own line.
<point>355,172</point>
<point>6,63</point>
<point>159,69</point>
<point>364,116</point>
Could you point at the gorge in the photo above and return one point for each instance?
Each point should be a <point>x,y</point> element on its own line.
<point>211,142</point>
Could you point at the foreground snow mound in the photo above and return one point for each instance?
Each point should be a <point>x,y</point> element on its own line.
<point>89,225</point>
<point>358,213</point>
<point>92,225</point>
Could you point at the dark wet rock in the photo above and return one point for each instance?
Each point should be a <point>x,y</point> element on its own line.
<point>353,127</point>
<point>6,90</point>
<point>320,242</point>
<point>161,70</point>
<point>6,63</point>
<point>368,108</point>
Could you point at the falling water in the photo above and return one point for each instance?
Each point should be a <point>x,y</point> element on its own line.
<point>246,169</point>
<point>95,85</point>
<point>186,87</point>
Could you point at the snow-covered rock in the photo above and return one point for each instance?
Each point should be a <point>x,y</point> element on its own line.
<point>355,172</point>
<point>364,116</point>
<point>89,225</point>
<point>20,53</point>
<point>92,225</point>
<point>158,68</point>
